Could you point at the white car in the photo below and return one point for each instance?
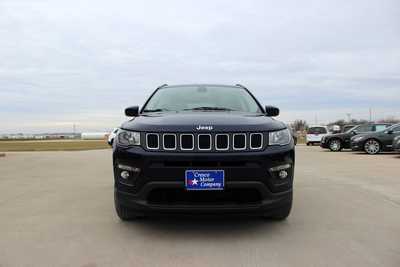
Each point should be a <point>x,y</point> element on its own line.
<point>315,134</point>
<point>112,135</point>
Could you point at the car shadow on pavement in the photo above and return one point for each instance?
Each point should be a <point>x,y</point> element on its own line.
<point>203,226</point>
<point>388,153</point>
<point>342,151</point>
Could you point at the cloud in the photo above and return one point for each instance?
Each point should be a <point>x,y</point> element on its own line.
<point>76,61</point>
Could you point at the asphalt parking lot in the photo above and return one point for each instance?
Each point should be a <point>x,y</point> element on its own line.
<point>56,209</point>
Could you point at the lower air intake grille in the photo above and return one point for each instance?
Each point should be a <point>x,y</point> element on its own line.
<point>172,196</point>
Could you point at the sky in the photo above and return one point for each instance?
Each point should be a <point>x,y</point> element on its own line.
<point>82,62</point>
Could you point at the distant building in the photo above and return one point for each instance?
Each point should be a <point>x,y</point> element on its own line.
<point>42,136</point>
<point>95,136</point>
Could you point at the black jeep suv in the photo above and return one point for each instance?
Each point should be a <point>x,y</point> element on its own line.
<point>203,149</point>
<point>337,142</point>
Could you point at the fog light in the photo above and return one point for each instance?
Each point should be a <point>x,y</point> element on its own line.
<point>280,168</point>
<point>124,174</point>
<point>283,174</point>
<point>128,168</point>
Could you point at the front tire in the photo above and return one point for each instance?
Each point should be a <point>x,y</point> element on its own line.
<point>282,212</point>
<point>335,145</point>
<point>124,213</point>
<point>372,147</point>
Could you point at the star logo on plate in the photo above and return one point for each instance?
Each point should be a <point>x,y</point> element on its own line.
<point>194,181</point>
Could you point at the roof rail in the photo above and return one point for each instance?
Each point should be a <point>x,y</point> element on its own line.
<point>161,86</point>
<point>238,84</point>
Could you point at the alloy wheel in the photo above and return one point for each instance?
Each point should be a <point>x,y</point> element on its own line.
<point>372,146</point>
<point>335,145</point>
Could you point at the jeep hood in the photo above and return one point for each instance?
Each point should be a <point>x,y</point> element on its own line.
<point>189,121</point>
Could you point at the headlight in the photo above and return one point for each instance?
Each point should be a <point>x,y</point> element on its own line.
<point>281,137</point>
<point>128,138</point>
<point>358,138</point>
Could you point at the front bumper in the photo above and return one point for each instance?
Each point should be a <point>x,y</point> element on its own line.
<point>396,147</point>
<point>165,171</point>
<point>324,143</point>
<point>138,202</point>
<point>357,146</point>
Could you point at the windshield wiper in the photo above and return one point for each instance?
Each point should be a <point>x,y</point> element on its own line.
<point>156,110</point>
<point>210,108</point>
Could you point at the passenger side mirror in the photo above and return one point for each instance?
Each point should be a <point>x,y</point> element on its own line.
<point>132,111</point>
<point>271,111</point>
<point>354,132</point>
<point>389,131</point>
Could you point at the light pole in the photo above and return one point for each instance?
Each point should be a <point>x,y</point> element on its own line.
<point>348,117</point>
<point>370,114</point>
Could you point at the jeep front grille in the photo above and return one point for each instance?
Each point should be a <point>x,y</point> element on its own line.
<point>256,141</point>
<point>239,141</point>
<point>187,141</point>
<point>222,142</point>
<point>169,141</point>
<point>153,141</point>
<point>205,142</point>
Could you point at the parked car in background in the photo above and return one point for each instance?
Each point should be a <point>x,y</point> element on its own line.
<point>335,129</point>
<point>396,144</point>
<point>375,142</point>
<point>112,135</point>
<point>339,141</point>
<point>315,134</point>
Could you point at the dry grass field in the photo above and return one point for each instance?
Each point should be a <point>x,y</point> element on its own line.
<point>52,145</point>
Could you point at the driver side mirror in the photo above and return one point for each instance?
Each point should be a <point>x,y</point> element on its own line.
<point>354,132</point>
<point>389,131</point>
<point>271,111</point>
<point>132,111</point>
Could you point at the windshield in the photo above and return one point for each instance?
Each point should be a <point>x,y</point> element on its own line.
<point>381,127</point>
<point>394,128</point>
<point>195,97</point>
<point>352,128</point>
<point>317,130</point>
